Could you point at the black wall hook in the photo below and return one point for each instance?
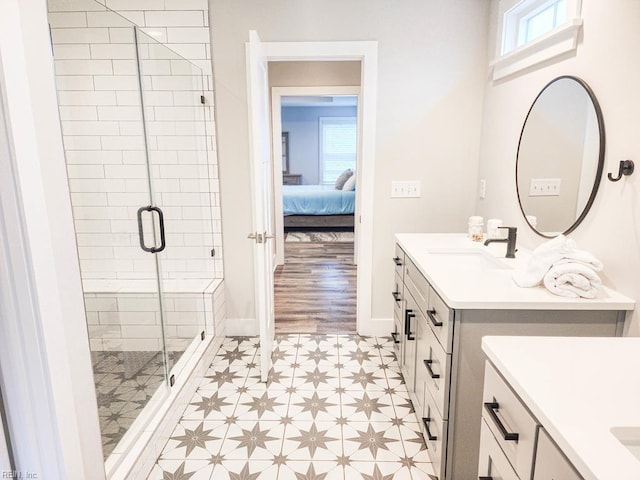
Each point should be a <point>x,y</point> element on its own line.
<point>626,168</point>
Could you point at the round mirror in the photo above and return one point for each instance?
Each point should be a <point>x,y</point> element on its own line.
<point>560,157</point>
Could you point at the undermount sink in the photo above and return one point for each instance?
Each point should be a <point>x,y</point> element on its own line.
<point>469,259</point>
<point>629,437</point>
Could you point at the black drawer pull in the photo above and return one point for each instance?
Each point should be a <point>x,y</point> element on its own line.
<point>427,363</point>
<point>426,421</point>
<point>396,296</point>
<point>408,315</point>
<point>397,261</point>
<point>432,316</point>
<point>394,335</point>
<point>485,478</point>
<point>492,408</point>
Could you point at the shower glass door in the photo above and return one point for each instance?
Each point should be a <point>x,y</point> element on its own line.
<point>101,115</point>
<point>175,127</point>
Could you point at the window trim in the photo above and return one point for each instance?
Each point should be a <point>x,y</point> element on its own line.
<point>557,42</point>
<point>334,120</point>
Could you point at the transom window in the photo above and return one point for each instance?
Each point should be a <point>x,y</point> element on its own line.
<point>528,20</point>
<point>338,147</point>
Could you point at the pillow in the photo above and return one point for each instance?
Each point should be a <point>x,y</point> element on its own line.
<point>342,178</point>
<point>351,183</point>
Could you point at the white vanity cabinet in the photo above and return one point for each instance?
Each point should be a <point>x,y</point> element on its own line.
<point>551,463</point>
<point>441,313</point>
<point>582,394</point>
<point>513,443</point>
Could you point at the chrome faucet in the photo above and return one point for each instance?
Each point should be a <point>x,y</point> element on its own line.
<point>510,241</point>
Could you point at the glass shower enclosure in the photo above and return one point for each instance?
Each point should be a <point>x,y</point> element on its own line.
<point>137,150</point>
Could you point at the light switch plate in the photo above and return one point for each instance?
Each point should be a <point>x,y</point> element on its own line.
<point>405,189</point>
<point>544,187</point>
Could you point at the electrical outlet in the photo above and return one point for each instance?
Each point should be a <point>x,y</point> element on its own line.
<point>405,189</point>
<point>544,187</point>
<point>483,188</point>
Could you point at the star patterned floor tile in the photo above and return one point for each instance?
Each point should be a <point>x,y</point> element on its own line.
<point>245,470</point>
<point>314,377</point>
<point>422,471</point>
<point>315,405</point>
<point>335,408</point>
<point>195,440</point>
<point>307,440</point>
<point>377,471</point>
<point>253,440</point>
<point>412,440</point>
<point>211,405</point>
<point>311,470</point>
<point>367,406</point>
<point>224,378</point>
<point>181,470</point>
<point>267,405</point>
<point>374,441</point>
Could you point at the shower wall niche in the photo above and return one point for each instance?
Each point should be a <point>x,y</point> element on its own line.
<point>137,123</point>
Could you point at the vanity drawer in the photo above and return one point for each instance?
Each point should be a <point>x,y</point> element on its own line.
<point>396,335</point>
<point>416,284</point>
<point>398,259</point>
<point>551,464</point>
<point>434,365</point>
<point>398,295</point>
<point>434,430</point>
<point>511,423</point>
<point>492,462</point>
<point>421,346</point>
<point>441,320</point>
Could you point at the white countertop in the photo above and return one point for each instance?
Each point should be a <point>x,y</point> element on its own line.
<point>480,288</point>
<point>578,389</point>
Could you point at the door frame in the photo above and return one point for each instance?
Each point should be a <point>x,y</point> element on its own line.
<point>367,53</point>
<point>276,129</point>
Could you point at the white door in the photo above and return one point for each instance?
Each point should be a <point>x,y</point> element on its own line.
<point>262,187</point>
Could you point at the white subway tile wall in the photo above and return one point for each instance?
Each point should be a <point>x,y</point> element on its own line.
<point>131,321</point>
<point>101,113</point>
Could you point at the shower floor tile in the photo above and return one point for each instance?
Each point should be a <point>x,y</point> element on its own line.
<point>125,381</point>
<point>335,407</point>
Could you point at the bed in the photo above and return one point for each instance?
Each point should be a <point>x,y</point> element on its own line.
<point>317,206</point>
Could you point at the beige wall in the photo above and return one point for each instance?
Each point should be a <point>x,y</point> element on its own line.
<point>607,60</point>
<point>431,69</point>
<point>314,74</point>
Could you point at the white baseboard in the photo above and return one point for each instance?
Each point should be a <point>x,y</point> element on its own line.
<point>377,327</point>
<point>237,327</point>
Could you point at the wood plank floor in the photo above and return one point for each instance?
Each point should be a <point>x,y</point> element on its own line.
<point>315,290</point>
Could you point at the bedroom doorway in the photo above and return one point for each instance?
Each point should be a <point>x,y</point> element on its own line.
<point>315,278</point>
<point>365,54</point>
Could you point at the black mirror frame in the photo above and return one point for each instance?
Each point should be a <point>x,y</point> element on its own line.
<point>601,153</point>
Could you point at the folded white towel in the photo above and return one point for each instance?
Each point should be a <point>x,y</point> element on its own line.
<point>554,252</point>
<point>571,279</point>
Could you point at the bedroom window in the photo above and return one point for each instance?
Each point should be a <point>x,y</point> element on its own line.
<point>338,147</point>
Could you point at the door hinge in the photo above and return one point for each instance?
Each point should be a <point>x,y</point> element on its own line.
<point>202,99</point>
<point>202,335</point>
<point>213,252</point>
